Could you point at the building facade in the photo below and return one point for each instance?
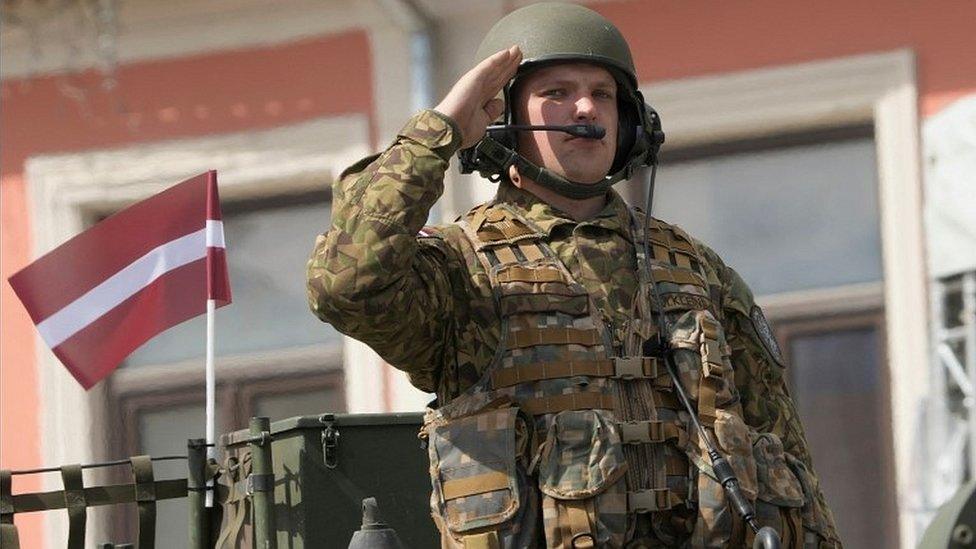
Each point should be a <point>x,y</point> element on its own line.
<point>801,139</point>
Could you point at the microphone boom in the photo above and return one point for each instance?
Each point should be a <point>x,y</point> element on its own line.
<point>589,131</point>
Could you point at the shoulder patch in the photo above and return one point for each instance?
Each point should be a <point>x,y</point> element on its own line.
<point>765,333</point>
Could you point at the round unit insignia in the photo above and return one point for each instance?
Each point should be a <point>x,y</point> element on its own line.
<point>765,331</point>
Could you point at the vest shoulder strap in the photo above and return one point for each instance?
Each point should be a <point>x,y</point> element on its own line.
<point>671,246</point>
<point>497,224</point>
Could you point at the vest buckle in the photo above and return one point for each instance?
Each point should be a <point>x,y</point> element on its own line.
<point>649,501</point>
<point>630,367</point>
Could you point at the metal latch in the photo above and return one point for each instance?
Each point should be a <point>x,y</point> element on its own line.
<point>330,441</point>
<point>259,483</point>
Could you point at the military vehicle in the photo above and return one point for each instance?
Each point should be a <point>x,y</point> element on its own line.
<point>300,482</point>
<point>311,481</point>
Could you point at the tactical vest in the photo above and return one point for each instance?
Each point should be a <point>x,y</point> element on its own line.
<point>561,415</point>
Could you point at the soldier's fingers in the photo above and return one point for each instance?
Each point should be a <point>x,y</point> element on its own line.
<point>493,64</point>
<point>494,109</point>
<point>506,67</point>
<point>503,72</point>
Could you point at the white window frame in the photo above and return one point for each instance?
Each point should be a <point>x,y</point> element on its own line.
<point>68,192</point>
<point>878,89</point>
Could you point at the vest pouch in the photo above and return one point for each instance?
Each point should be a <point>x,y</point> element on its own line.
<point>581,470</point>
<point>780,500</point>
<point>718,524</point>
<point>816,525</point>
<point>479,489</point>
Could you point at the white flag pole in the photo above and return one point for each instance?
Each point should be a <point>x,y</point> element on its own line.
<point>211,390</point>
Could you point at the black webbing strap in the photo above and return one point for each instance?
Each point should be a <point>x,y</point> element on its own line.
<point>145,486</point>
<point>97,495</point>
<point>238,504</point>
<point>6,498</point>
<point>75,503</point>
<point>8,531</point>
<point>8,537</point>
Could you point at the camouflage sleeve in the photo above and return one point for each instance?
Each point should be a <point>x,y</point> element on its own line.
<point>369,275</point>
<point>760,377</point>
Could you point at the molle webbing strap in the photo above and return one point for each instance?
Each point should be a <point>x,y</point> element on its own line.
<point>531,251</point>
<point>513,304</point>
<point>518,273</point>
<point>554,335</point>
<point>673,243</point>
<point>675,276</point>
<point>142,473</point>
<point>648,501</point>
<point>485,540</point>
<point>659,252</point>
<point>474,485</point>
<point>578,524</point>
<point>511,228</point>
<point>75,503</point>
<point>505,254</point>
<point>707,393</point>
<point>711,357</point>
<point>711,350</point>
<point>682,261</point>
<point>651,432</point>
<point>573,401</point>
<point>624,368</point>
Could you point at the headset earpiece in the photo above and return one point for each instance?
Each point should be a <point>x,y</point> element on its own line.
<point>656,137</point>
<point>629,132</point>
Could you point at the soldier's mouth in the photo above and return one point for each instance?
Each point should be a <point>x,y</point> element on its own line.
<point>585,140</point>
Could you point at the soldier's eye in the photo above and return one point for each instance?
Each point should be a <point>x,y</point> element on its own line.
<point>554,93</point>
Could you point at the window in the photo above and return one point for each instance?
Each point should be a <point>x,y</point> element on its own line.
<point>789,213</point>
<point>274,358</point>
<point>837,364</point>
<point>797,216</point>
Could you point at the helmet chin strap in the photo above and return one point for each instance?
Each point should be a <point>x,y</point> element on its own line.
<point>559,184</point>
<point>488,149</point>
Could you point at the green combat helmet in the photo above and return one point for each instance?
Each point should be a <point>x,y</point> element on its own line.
<point>552,33</point>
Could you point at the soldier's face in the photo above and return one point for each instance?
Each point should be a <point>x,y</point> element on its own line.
<point>570,93</point>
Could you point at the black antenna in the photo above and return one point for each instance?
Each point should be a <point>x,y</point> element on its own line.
<point>766,537</point>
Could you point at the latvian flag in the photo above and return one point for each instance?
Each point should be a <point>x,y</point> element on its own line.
<point>102,294</point>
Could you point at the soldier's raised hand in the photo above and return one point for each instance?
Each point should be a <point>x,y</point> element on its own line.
<point>471,103</point>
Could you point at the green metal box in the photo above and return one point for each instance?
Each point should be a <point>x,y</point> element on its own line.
<point>325,465</point>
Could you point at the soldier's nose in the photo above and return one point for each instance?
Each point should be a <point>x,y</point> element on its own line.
<point>585,109</point>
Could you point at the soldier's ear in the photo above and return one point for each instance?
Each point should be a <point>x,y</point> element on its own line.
<point>514,176</point>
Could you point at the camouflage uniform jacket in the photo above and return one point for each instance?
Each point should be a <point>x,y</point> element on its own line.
<point>421,299</point>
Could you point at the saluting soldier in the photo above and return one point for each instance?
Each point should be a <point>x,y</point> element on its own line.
<point>546,319</point>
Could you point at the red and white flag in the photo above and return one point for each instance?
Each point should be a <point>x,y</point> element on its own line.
<point>102,294</point>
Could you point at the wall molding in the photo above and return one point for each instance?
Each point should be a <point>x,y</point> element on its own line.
<point>149,30</point>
